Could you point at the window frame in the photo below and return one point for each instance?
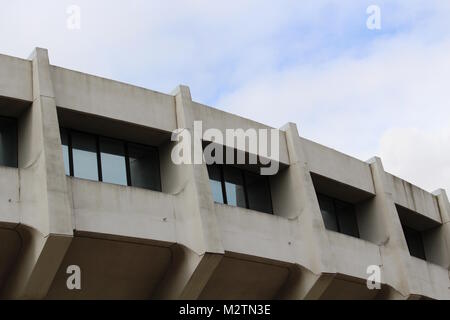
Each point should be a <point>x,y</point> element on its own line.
<point>335,213</point>
<point>244,184</point>
<point>99,160</point>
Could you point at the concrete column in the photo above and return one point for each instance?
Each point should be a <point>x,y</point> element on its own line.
<point>304,195</point>
<point>201,232</point>
<point>386,230</point>
<point>199,249</point>
<point>301,195</point>
<point>444,230</point>
<point>46,223</point>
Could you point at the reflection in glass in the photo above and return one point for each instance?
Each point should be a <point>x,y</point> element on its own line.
<point>112,153</point>
<point>234,187</point>
<point>215,180</point>
<point>84,149</point>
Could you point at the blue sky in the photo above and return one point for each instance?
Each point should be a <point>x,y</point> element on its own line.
<point>364,92</point>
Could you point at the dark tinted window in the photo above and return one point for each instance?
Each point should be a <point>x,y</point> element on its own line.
<point>234,187</point>
<point>144,166</point>
<point>110,160</point>
<point>240,188</point>
<point>415,242</point>
<point>338,216</point>
<point>8,142</point>
<point>258,192</point>
<point>346,218</point>
<point>215,181</point>
<point>329,215</point>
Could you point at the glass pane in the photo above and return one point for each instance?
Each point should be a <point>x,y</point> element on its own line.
<point>214,172</point>
<point>112,154</point>
<point>329,216</point>
<point>347,218</point>
<point>84,148</point>
<point>144,167</point>
<point>415,243</point>
<point>258,192</point>
<point>65,149</point>
<point>234,187</point>
<point>8,142</point>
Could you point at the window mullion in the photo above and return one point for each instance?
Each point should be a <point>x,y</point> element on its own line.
<point>336,216</point>
<point>127,164</point>
<point>224,191</point>
<point>99,161</point>
<point>69,137</point>
<point>244,185</point>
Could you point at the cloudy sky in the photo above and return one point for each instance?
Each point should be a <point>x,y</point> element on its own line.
<point>364,92</point>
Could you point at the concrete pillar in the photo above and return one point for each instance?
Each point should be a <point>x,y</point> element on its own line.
<point>301,195</point>
<point>199,249</point>
<point>387,232</point>
<point>46,223</point>
<point>444,230</point>
<point>201,232</point>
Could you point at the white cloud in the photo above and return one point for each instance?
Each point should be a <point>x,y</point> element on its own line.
<point>422,157</point>
<point>310,62</point>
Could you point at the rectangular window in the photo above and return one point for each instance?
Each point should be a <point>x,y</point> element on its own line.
<point>258,192</point>
<point>215,180</point>
<point>234,187</point>
<point>112,153</point>
<point>415,242</point>
<point>109,160</point>
<point>144,166</point>
<point>8,142</point>
<point>328,213</point>
<point>338,216</point>
<point>84,150</point>
<point>239,188</point>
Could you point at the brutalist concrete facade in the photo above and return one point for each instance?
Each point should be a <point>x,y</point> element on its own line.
<point>133,243</point>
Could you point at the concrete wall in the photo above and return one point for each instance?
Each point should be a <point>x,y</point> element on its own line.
<point>178,243</point>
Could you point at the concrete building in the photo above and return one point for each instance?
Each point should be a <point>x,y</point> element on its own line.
<point>159,231</point>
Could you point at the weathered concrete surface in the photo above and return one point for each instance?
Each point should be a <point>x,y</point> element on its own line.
<point>134,243</point>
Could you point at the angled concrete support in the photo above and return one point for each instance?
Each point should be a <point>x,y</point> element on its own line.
<point>301,196</point>
<point>302,284</point>
<point>201,232</point>
<point>46,221</point>
<point>386,231</point>
<point>187,275</point>
<point>444,232</point>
